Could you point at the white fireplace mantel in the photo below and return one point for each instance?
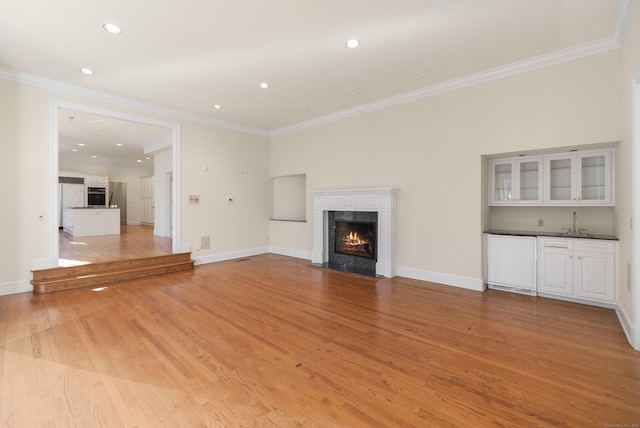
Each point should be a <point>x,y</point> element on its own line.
<point>380,200</point>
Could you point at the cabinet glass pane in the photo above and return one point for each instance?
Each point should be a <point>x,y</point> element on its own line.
<point>593,178</point>
<point>529,173</point>
<point>503,180</point>
<point>560,179</point>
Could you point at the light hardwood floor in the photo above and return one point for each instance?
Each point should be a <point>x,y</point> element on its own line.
<point>133,242</point>
<point>273,341</point>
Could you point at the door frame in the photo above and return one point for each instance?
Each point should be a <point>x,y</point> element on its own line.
<point>635,216</point>
<point>54,190</point>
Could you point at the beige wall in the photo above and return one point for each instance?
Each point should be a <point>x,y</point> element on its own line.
<point>24,172</point>
<point>630,62</point>
<point>432,150</point>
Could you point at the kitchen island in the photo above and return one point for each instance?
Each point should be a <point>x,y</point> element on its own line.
<point>91,221</point>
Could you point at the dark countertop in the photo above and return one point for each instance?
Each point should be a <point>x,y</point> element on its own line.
<point>91,208</point>
<point>551,234</point>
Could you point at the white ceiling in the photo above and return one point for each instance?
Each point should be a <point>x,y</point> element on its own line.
<point>87,140</point>
<point>187,55</point>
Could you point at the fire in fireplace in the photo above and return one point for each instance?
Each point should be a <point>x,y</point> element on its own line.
<point>356,238</point>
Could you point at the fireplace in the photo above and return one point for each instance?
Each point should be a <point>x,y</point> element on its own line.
<point>356,238</point>
<point>352,243</point>
<point>369,213</point>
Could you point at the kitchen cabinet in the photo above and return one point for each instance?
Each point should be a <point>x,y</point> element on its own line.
<point>579,178</point>
<point>96,179</point>
<point>516,181</point>
<point>511,263</point>
<point>555,266</point>
<point>577,269</point>
<point>569,179</point>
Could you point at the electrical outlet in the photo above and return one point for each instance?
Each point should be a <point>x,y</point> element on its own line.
<point>540,222</point>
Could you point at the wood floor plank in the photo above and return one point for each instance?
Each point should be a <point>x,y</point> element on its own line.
<point>273,341</point>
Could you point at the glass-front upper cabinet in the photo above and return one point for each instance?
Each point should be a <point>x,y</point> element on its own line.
<point>579,178</point>
<point>516,181</point>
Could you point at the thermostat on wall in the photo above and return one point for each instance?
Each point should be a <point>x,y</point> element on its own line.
<point>194,199</point>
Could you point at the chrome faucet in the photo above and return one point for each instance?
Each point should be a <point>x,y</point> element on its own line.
<point>574,231</point>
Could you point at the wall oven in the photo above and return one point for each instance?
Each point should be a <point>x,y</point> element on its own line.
<point>97,196</point>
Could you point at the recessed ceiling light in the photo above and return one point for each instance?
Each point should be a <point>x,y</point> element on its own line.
<point>148,158</point>
<point>94,156</point>
<point>112,28</point>
<point>81,144</point>
<point>119,144</point>
<point>264,85</point>
<point>217,106</point>
<point>354,93</point>
<point>74,150</point>
<point>139,161</point>
<point>353,43</point>
<point>419,72</point>
<point>87,71</point>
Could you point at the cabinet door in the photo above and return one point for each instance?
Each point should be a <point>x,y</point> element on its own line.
<point>594,185</point>
<point>560,180</point>
<point>594,270</point>
<point>502,182</point>
<point>529,182</point>
<point>555,266</point>
<point>594,277</point>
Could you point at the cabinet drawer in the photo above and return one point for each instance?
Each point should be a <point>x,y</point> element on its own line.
<point>566,244</point>
<point>595,246</point>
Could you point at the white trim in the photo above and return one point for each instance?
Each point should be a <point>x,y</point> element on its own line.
<point>15,288</point>
<point>54,144</point>
<point>213,258</point>
<point>298,254</point>
<point>69,89</point>
<point>158,144</point>
<point>622,21</point>
<point>466,282</point>
<point>625,322</point>
<point>520,67</point>
<point>635,216</point>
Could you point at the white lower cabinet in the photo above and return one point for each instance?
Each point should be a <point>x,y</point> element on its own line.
<point>580,269</point>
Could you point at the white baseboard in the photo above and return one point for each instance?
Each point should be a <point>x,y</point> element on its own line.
<point>212,258</point>
<point>475,284</point>
<point>298,254</point>
<point>15,288</point>
<point>627,326</point>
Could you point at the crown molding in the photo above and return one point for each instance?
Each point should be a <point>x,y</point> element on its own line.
<point>75,90</point>
<point>520,67</point>
<point>622,21</point>
<point>158,144</point>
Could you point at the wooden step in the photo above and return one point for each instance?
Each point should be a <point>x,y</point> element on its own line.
<point>93,274</point>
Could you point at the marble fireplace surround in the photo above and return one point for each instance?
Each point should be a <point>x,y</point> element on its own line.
<point>380,200</point>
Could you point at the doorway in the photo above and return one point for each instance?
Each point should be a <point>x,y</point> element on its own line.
<point>173,132</point>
